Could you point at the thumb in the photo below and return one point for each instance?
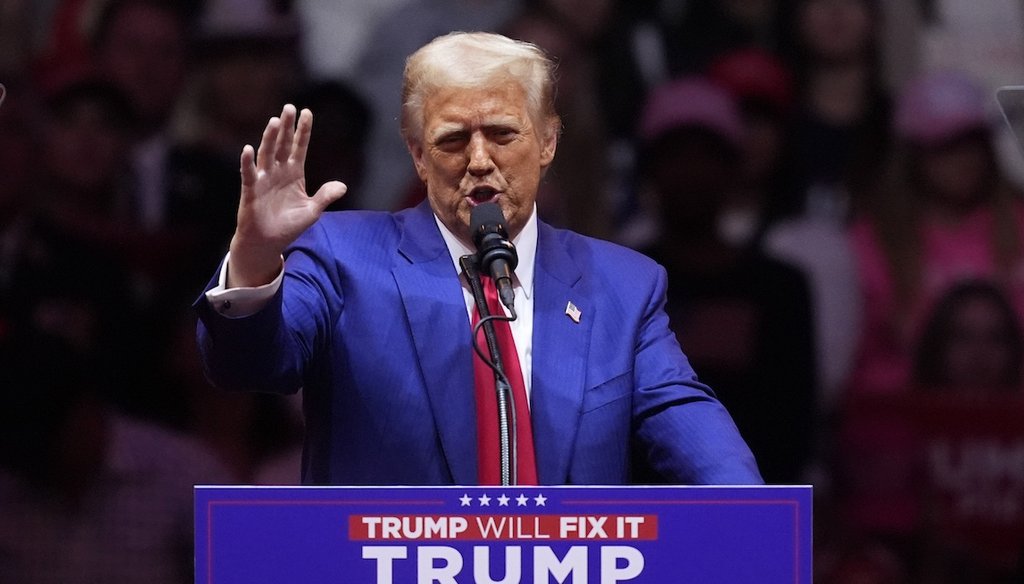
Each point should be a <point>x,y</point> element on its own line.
<point>329,193</point>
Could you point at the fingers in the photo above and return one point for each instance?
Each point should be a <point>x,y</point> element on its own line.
<point>302,134</point>
<point>281,141</point>
<point>268,143</point>
<point>329,193</point>
<point>248,166</point>
<point>285,137</point>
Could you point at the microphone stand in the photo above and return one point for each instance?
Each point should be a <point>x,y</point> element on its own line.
<point>507,440</point>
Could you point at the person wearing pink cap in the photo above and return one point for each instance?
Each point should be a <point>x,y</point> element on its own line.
<point>945,215</point>
<point>743,318</point>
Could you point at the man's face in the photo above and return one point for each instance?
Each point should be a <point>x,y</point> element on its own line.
<point>481,145</point>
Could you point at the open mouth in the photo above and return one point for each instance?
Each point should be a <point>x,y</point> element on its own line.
<point>482,194</point>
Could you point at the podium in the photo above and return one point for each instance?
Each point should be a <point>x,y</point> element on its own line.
<point>447,535</point>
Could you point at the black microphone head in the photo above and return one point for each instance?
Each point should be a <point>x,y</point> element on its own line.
<point>486,218</point>
<point>487,227</point>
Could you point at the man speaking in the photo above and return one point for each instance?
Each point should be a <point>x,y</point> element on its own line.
<point>371,313</point>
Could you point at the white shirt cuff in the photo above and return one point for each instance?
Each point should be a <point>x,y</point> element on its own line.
<point>241,302</point>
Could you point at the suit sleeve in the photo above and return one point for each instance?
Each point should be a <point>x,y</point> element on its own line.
<point>272,349</point>
<point>682,433</point>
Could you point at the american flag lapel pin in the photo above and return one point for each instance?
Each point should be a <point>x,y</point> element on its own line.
<point>572,312</point>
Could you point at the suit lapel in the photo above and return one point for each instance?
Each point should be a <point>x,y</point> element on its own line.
<point>560,348</point>
<point>434,305</point>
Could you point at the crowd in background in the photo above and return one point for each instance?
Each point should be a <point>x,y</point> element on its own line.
<point>827,183</point>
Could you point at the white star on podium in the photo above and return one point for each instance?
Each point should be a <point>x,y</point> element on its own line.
<point>466,500</point>
<point>503,500</point>
<point>540,500</point>
<point>485,501</point>
<point>521,500</point>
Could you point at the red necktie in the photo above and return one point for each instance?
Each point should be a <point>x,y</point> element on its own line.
<point>487,402</point>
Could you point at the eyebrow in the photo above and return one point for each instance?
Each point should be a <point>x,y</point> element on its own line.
<point>446,128</point>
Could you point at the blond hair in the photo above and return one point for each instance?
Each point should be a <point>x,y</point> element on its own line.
<point>476,59</point>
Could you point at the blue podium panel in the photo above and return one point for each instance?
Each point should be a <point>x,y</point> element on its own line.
<point>496,535</point>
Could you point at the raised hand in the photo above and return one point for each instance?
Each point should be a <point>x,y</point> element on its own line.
<point>274,208</point>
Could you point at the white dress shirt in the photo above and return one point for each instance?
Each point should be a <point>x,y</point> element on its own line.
<point>242,302</point>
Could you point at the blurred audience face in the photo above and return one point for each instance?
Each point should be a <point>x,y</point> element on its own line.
<point>958,174</point>
<point>247,84</point>
<point>836,30</point>
<point>972,340</point>
<point>144,53</point>
<point>692,171</point>
<point>85,150</point>
<point>979,352</point>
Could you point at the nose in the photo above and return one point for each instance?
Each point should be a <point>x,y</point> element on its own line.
<point>480,162</point>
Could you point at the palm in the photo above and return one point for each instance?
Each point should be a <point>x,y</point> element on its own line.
<point>278,208</point>
<point>275,208</point>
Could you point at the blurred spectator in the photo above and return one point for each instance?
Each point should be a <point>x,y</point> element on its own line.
<point>140,45</point>
<point>379,78</point>
<point>337,146</point>
<point>87,494</point>
<point>180,208</point>
<point>935,471</point>
<point>761,214</point>
<point>972,346</point>
<point>87,135</point>
<point>743,319</point>
<point>764,89</point>
<point>69,274</point>
<point>248,65</point>
<point>841,125</point>
<point>972,341</point>
<point>575,192</point>
<point>985,40</point>
<point>945,215</point>
<point>649,42</point>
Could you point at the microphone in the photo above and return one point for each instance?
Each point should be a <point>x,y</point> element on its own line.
<point>495,253</point>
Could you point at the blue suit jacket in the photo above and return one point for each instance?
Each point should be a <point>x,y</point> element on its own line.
<point>370,321</point>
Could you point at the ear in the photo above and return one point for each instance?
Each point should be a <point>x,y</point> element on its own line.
<point>417,152</point>
<point>549,142</point>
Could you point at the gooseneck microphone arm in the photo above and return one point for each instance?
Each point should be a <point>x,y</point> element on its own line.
<point>507,439</point>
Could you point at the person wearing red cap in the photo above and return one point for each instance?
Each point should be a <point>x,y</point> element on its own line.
<point>766,212</point>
